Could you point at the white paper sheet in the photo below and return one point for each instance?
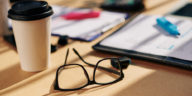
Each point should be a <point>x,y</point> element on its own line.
<point>144,35</point>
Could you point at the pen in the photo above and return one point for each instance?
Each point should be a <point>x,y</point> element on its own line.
<point>167,26</point>
<point>107,28</point>
<point>93,35</point>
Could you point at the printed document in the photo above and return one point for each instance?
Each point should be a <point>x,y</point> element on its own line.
<point>144,35</point>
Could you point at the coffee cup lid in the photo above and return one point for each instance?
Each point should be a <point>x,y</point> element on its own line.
<point>30,10</point>
<point>13,1</point>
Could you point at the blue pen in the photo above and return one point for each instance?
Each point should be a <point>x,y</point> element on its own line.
<point>167,26</point>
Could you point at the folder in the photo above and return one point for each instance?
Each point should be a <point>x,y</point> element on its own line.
<point>141,38</point>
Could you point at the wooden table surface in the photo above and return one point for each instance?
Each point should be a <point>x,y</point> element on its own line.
<point>141,79</point>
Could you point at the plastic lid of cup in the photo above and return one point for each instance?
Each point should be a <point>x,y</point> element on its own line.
<point>30,10</point>
<point>13,1</point>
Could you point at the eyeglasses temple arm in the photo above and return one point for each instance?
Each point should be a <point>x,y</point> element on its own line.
<point>107,69</point>
<point>66,56</point>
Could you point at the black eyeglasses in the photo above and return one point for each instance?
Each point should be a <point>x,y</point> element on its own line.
<point>70,77</point>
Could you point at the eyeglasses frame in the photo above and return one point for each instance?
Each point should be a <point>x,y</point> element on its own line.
<point>90,82</point>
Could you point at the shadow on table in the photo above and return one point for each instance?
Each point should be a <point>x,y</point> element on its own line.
<point>13,75</point>
<point>159,84</point>
<point>16,75</point>
<point>5,46</point>
<point>53,92</point>
<point>155,83</point>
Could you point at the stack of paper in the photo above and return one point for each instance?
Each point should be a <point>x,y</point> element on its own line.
<point>86,29</point>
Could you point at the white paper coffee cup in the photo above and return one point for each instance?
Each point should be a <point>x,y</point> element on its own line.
<point>3,17</point>
<point>31,28</point>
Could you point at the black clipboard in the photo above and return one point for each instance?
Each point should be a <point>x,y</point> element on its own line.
<point>164,60</point>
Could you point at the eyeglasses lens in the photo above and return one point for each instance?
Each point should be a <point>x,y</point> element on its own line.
<point>103,76</point>
<point>71,77</point>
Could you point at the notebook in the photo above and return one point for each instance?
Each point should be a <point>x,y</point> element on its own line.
<point>143,38</point>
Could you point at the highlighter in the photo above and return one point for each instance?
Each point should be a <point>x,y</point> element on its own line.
<point>167,26</point>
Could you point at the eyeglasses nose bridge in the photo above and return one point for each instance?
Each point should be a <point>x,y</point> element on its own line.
<point>91,82</point>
